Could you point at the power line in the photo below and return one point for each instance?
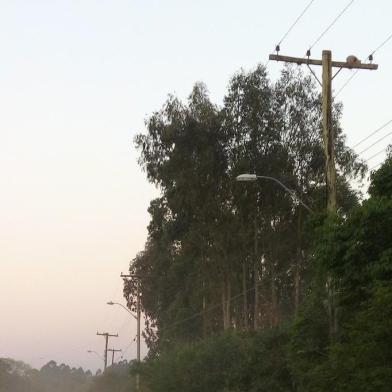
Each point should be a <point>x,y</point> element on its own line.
<point>210,309</point>
<point>373,167</point>
<point>331,24</point>
<point>295,22</point>
<point>347,82</point>
<point>376,154</point>
<point>370,57</point>
<point>376,142</point>
<point>285,35</point>
<point>380,46</point>
<point>373,133</point>
<point>127,347</point>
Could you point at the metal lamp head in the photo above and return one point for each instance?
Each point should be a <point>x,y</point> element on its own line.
<point>246,177</point>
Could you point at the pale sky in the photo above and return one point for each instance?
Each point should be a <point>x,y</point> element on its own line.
<point>77,80</point>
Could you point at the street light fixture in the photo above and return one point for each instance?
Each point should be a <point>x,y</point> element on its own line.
<point>94,352</point>
<point>254,177</point>
<point>137,318</point>
<point>246,178</point>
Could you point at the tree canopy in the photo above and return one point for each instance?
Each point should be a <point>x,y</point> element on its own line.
<point>221,254</point>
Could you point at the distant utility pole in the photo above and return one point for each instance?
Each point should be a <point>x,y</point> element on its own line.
<point>138,314</point>
<point>328,132</point>
<point>106,335</point>
<point>112,350</point>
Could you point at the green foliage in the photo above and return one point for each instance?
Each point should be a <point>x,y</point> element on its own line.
<point>356,252</point>
<point>15,376</point>
<point>243,289</point>
<point>117,378</point>
<point>241,251</point>
<point>229,362</point>
<point>381,180</point>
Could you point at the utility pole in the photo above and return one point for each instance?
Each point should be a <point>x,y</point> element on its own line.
<point>138,314</point>
<point>328,132</point>
<point>112,350</point>
<point>106,335</point>
<point>329,141</point>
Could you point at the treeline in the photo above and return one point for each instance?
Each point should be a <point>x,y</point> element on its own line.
<point>16,376</point>
<point>353,251</point>
<point>242,287</point>
<point>223,255</point>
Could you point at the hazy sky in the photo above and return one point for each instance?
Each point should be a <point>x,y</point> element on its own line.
<point>77,80</point>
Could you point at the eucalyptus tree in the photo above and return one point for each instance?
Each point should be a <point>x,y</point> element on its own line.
<point>224,255</point>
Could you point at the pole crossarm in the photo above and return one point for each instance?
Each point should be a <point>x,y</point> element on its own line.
<point>329,137</point>
<point>113,351</point>
<point>106,335</point>
<point>335,64</point>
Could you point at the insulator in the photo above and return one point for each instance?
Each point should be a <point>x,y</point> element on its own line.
<point>308,53</point>
<point>370,58</point>
<point>277,48</point>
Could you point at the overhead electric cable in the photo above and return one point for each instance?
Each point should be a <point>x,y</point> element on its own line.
<point>373,167</point>
<point>211,308</point>
<point>376,154</point>
<point>127,347</point>
<point>198,314</point>
<point>380,46</point>
<point>285,35</point>
<point>347,82</point>
<point>331,24</point>
<point>376,142</point>
<point>295,22</point>
<point>373,133</point>
<point>368,58</point>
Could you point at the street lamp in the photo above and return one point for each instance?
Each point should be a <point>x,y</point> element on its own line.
<point>254,177</point>
<point>137,318</point>
<point>117,303</point>
<point>94,352</point>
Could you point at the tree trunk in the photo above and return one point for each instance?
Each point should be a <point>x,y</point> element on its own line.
<point>274,297</point>
<point>298,265</point>
<point>245,296</point>
<point>224,306</point>
<point>256,278</point>
<point>204,312</point>
<point>226,303</point>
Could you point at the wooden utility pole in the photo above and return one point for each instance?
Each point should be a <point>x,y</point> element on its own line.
<point>113,351</point>
<point>106,335</point>
<point>328,132</point>
<point>138,316</point>
<point>329,141</point>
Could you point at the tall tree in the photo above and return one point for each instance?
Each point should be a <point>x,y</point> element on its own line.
<point>224,255</point>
